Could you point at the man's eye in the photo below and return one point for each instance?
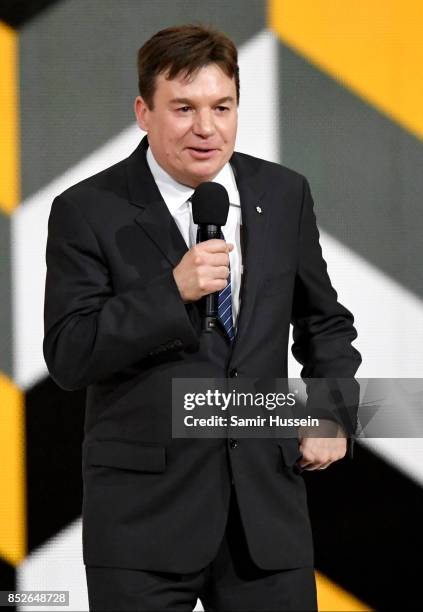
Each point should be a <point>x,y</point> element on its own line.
<point>222,109</point>
<point>184,109</point>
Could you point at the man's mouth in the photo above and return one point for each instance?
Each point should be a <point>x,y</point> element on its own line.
<point>202,152</point>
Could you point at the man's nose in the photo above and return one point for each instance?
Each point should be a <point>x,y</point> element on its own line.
<point>204,123</point>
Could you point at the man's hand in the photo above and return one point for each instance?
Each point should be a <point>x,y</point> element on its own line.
<point>319,453</point>
<point>203,269</point>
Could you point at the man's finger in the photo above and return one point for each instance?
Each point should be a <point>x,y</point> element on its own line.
<point>216,245</point>
<point>217,259</point>
<point>219,272</point>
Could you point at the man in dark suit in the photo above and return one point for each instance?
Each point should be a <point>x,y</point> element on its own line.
<point>167,520</point>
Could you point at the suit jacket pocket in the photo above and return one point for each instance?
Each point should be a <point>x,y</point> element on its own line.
<point>126,455</point>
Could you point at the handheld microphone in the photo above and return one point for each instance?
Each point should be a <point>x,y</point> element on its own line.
<point>210,206</point>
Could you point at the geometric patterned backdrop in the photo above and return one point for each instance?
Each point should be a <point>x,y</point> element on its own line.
<point>333,90</point>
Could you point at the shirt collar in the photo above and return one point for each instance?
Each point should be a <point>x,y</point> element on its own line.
<point>175,194</point>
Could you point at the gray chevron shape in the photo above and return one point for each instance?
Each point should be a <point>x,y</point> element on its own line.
<point>365,171</point>
<point>78,71</point>
<point>5,300</point>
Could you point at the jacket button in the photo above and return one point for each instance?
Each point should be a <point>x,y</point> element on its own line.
<point>233,373</point>
<point>233,443</point>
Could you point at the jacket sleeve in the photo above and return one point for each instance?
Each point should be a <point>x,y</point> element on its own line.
<point>89,331</point>
<point>323,331</point>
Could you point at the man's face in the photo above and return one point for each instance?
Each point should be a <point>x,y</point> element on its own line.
<point>192,126</point>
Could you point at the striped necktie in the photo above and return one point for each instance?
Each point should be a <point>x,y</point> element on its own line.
<point>224,307</point>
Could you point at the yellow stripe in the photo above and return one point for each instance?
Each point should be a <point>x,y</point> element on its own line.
<point>9,131</point>
<point>12,473</point>
<point>331,597</point>
<point>375,48</point>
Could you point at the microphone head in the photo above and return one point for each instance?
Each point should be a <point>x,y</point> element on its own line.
<point>210,204</point>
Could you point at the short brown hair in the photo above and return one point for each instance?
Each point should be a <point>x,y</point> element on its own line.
<point>184,49</point>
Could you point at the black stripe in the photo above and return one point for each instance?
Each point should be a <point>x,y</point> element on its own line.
<point>366,518</point>
<point>54,430</point>
<point>17,12</point>
<point>7,579</point>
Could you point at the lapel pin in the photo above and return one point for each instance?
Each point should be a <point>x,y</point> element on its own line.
<point>259,210</point>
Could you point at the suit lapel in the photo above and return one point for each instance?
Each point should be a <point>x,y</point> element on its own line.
<point>255,221</point>
<point>154,217</point>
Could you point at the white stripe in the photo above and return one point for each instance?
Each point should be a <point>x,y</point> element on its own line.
<point>225,289</point>
<point>226,298</point>
<point>44,567</point>
<point>226,309</point>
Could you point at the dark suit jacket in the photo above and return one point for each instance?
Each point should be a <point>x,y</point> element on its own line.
<point>115,322</point>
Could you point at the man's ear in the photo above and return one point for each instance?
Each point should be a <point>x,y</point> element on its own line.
<point>142,113</point>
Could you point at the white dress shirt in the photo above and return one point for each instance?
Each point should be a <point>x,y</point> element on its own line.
<point>176,197</point>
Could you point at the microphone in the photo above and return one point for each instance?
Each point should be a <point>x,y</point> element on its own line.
<point>210,206</point>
